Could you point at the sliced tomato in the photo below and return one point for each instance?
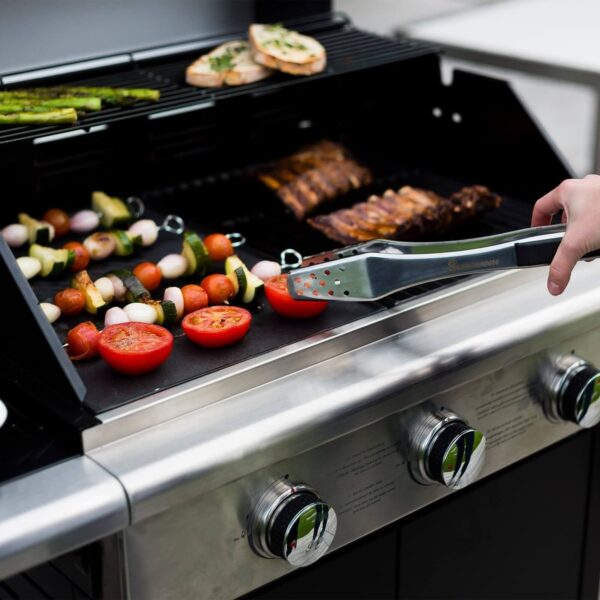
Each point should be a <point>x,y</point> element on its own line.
<point>82,341</point>
<point>82,256</point>
<point>217,325</point>
<point>135,348</point>
<point>278,296</point>
<point>149,275</point>
<point>219,246</point>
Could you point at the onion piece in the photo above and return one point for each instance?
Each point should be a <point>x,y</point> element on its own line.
<point>51,311</point>
<point>106,288</point>
<point>29,265</point>
<point>119,290</point>
<point>147,229</point>
<point>15,235</point>
<point>141,313</point>
<point>100,245</point>
<point>265,269</point>
<point>175,295</point>
<point>173,266</point>
<point>84,221</point>
<point>115,315</point>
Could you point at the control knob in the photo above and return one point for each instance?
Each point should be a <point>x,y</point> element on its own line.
<point>571,391</point>
<point>444,449</point>
<point>291,522</point>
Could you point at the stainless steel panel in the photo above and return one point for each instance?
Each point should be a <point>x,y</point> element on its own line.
<point>200,549</point>
<point>56,510</point>
<point>170,464</point>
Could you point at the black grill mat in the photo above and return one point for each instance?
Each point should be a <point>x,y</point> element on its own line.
<point>107,389</point>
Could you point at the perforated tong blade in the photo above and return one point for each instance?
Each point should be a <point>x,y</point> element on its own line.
<point>378,268</point>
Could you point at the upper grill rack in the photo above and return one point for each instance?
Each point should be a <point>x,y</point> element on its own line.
<point>348,50</point>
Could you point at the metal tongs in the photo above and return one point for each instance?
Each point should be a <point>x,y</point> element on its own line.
<point>375,269</point>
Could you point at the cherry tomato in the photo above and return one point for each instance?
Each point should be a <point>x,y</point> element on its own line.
<point>82,256</point>
<point>217,326</point>
<point>218,287</point>
<point>135,348</point>
<point>194,298</point>
<point>59,219</point>
<point>219,246</point>
<point>276,291</point>
<point>83,341</point>
<point>70,301</point>
<point>148,274</point>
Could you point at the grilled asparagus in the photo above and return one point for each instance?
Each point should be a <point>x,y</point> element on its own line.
<point>29,104</point>
<point>107,94</point>
<point>49,117</point>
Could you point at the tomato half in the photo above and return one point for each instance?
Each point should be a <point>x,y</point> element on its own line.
<point>82,256</point>
<point>217,326</point>
<point>135,348</point>
<point>83,341</point>
<point>276,291</point>
<point>149,275</point>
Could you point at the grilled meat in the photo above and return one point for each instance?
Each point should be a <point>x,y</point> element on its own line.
<point>407,214</point>
<point>316,174</point>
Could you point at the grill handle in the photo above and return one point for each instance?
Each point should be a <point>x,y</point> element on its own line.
<point>378,268</point>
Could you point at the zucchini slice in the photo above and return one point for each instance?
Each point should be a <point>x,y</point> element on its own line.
<point>196,254</point>
<point>136,292</point>
<point>247,283</point>
<point>169,311</point>
<point>113,210</point>
<point>93,298</point>
<point>39,232</point>
<point>53,261</point>
<point>157,306</point>
<point>124,245</point>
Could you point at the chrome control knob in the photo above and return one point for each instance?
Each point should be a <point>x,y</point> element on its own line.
<point>571,391</point>
<point>444,449</point>
<point>291,522</point>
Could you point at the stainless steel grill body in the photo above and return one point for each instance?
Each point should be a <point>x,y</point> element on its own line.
<point>342,426</point>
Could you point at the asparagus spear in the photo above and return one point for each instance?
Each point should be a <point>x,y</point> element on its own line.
<point>111,95</point>
<point>32,104</point>
<point>51,117</point>
<point>17,107</point>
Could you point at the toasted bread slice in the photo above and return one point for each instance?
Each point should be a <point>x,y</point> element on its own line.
<point>229,64</point>
<point>289,51</point>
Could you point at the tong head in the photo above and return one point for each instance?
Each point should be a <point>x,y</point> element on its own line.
<point>349,278</point>
<point>355,249</point>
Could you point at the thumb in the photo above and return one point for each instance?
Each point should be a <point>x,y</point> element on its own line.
<point>565,259</point>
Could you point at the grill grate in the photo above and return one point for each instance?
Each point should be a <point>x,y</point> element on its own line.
<point>348,50</point>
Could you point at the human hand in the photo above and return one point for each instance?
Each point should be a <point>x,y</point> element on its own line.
<point>579,199</point>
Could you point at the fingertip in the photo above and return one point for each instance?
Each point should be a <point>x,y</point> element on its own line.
<point>555,288</point>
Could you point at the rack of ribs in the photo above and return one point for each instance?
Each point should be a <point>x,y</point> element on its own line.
<point>408,214</point>
<point>317,174</point>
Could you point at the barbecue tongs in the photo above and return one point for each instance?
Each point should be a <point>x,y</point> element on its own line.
<point>374,269</point>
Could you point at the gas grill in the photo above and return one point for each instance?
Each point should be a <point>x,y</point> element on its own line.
<point>348,435</point>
